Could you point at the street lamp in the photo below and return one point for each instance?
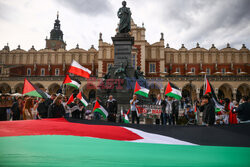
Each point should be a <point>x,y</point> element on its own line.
<point>190,83</point>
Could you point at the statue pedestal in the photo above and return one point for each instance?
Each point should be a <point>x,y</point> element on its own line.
<point>120,78</point>
<point>119,81</point>
<point>123,43</point>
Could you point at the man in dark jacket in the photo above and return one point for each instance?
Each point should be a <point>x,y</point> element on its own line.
<point>208,110</point>
<point>175,111</point>
<point>56,109</point>
<point>48,102</point>
<point>111,105</point>
<point>244,110</point>
<point>75,109</point>
<point>158,102</point>
<point>16,109</point>
<point>42,109</point>
<point>163,113</point>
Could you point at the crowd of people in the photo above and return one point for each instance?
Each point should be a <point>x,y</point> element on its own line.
<point>27,108</point>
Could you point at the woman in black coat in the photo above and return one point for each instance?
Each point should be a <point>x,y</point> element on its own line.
<point>56,109</point>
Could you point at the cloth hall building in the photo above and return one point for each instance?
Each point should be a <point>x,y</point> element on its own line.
<point>227,69</point>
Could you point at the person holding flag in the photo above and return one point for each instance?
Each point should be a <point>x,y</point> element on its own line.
<point>111,105</point>
<point>208,109</point>
<point>210,104</point>
<point>172,106</point>
<point>84,103</point>
<point>124,116</point>
<point>56,109</point>
<point>133,109</point>
<point>99,108</point>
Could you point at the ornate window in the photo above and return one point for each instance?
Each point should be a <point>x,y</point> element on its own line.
<point>166,69</point>
<point>223,70</point>
<point>152,67</point>
<point>238,70</point>
<point>28,71</point>
<point>193,70</point>
<point>57,72</point>
<point>42,71</point>
<point>208,71</point>
<point>178,69</point>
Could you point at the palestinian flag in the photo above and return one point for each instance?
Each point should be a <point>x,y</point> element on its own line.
<point>73,142</point>
<point>70,82</point>
<point>82,98</point>
<point>124,116</point>
<point>173,91</point>
<point>139,90</point>
<point>31,90</point>
<point>209,90</point>
<point>71,99</point>
<point>99,108</point>
<point>77,69</point>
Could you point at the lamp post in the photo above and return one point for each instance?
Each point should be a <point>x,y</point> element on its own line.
<point>190,83</point>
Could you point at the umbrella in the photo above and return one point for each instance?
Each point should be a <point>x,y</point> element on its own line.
<point>17,94</point>
<point>176,73</point>
<point>243,73</point>
<point>202,73</point>
<point>229,73</point>
<point>217,73</point>
<point>190,73</point>
<point>164,73</point>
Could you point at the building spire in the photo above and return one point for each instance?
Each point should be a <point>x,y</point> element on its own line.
<point>57,16</point>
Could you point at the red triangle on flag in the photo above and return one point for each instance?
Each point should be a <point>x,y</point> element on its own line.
<point>208,88</point>
<point>79,95</point>
<point>71,99</point>
<point>97,105</point>
<point>27,86</point>
<point>67,79</point>
<point>168,89</point>
<point>137,87</point>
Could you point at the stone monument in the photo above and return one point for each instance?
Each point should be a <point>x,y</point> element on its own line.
<point>120,78</point>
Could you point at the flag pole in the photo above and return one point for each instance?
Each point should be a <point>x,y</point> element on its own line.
<point>205,80</point>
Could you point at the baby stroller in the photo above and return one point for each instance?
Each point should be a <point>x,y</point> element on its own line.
<point>190,115</point>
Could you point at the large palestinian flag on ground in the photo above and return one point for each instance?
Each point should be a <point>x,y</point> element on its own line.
<point>71,82</point>
<point>31,90</point>
<point>79,70</point>
<point>173,91</point>
<point>72,142</point>
<point>139,90</point>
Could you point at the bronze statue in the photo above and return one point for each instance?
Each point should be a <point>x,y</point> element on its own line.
<point>124,14</point>
<point>139,73</point>
<point>120,72</point>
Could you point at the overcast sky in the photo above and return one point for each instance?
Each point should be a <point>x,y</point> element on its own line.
<point>28,22</point>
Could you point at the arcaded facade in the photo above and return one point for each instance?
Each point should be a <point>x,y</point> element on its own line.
<point>227,68</point>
